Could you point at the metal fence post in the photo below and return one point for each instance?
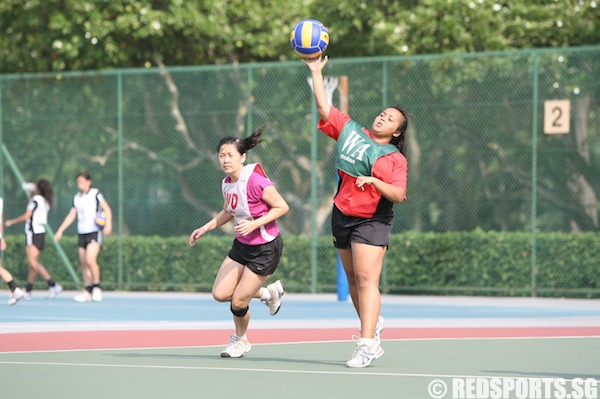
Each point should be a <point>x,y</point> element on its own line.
<point>120,178</point>
<point>534,139</point>
<point>49,230</point>
<point>313,196</point>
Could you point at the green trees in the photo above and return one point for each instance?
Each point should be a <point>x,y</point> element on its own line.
<point>58,35</point>
<point>470,157</point>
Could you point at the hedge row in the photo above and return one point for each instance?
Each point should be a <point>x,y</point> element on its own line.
<point>461,263</point>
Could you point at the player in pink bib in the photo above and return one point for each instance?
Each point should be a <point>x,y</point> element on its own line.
<point>255,204</point>
<point>243,200</point>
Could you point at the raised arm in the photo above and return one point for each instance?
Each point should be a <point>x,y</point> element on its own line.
<point>316,66</point>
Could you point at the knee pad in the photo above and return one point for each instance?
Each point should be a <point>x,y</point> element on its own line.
<point>239,312</point>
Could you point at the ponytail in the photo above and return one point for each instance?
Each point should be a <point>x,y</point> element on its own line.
<point>400,141</point>
<point>44,188</point>
<point>243,145</point>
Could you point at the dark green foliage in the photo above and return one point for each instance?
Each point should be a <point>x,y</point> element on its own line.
<point>53,35</point>
<point>463,263</point>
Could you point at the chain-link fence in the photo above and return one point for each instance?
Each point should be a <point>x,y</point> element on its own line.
<point>479,159</point>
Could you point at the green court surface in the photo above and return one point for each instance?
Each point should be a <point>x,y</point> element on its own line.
<point>296,370</point>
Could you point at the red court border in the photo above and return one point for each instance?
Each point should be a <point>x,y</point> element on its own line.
<point>131,339</point>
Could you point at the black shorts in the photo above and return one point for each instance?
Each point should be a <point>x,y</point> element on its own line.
<point>348,229</point>
<point>37,240</point>
<point>85,239</point>
<point>261,259</point>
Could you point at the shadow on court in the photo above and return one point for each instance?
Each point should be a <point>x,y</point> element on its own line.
<point>292,370</point>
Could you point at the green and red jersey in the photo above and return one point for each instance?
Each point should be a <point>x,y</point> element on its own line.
<point>358,154</point>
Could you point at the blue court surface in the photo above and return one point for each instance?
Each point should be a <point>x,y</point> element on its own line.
<point>298,353</point>
<point>175,309</point>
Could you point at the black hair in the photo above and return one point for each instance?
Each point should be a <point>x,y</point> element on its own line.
<point>243,145</point>
<point>400,141</point>
<point>44,188</point>
<point>85,175</point>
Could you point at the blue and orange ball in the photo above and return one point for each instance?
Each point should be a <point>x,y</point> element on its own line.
<point>100,219</point>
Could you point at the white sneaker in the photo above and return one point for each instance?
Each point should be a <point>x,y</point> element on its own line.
<point>54,291</point>
<point>379,329</point>
<point>97,294</point>
<point>27,296</point>
<point>83,297</point>
<point>363,355</point>
<point>274,303</point>
<point>378,351</point>
<point>16,296</point>
<point>237,347</point>
<point>377,337</point>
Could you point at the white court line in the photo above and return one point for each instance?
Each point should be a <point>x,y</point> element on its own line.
<point>22,327</point>
<point>294,343</point>
<point>256,370</point>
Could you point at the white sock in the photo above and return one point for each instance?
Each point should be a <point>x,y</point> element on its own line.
<point>266,294</point>
<point>366,341</point>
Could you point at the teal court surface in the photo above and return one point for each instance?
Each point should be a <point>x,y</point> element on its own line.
<point>163,345</point>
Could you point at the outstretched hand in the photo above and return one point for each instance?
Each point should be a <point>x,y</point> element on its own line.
<point>196,234</point>
<point>316,64</point>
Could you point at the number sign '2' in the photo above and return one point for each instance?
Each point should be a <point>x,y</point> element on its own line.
<point>557,114</point>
